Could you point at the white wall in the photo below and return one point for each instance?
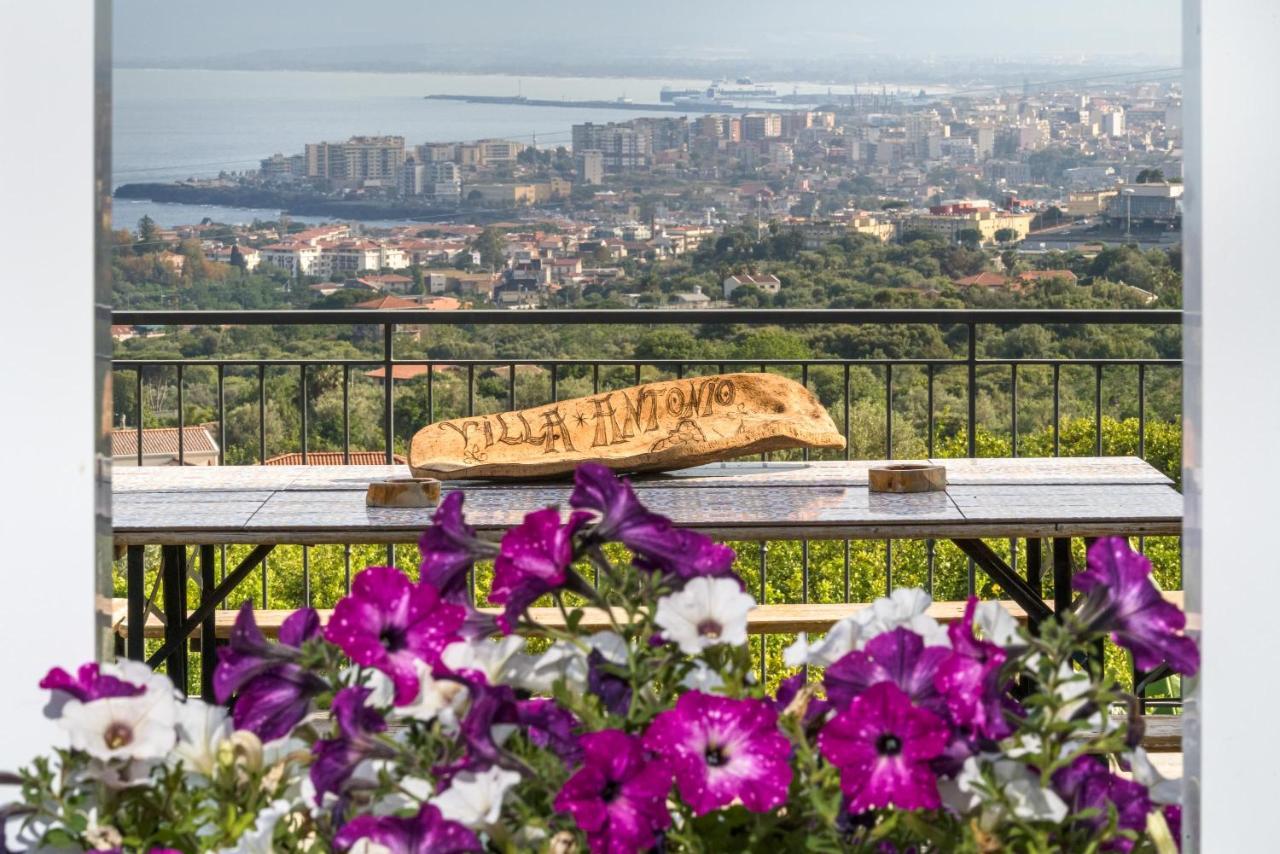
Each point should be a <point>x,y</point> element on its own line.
<point>46,357</point>
<point>1232,419</point>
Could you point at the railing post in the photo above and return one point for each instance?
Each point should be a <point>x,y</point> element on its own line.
<point>388,404</point>
<point>973,389</point>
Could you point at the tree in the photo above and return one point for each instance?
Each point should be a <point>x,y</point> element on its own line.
<point>147,233</point>
<point>1005,235</point>
<point>969,237</point>
<point>237,259</point>
<point>492,248</point>
<point>419,281</point>
<point>1150,176</point>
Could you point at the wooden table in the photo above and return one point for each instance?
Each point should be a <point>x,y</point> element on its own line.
<point>1056,498</point>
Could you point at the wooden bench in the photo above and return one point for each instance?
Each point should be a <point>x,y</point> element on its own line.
<point>771,619</point>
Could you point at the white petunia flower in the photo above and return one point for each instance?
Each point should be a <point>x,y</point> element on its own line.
<point>441,699</point>
<point>202,728</point>
<point>475,798</point>
<point>257,839</point>
<point>410,793</point>
<point>996,624</point>
<point>702,678</point>
<point>563,661</point>
<point>707,612</point>
<point>906,607</point>
<point>1071,690</point>
<point>840,640</point>
<point>482,656</point>
<point>141,727</point>
<point>1163,790</point>
<point>1027,798</point>
<point>366,846</point>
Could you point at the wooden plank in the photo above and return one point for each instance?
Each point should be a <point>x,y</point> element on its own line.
<point>781,618</point>
<point>1051,470</point>
<point>1067,504</point>
<point>190,479</point>
<point>1029,470</point>
<point>699,508</point>
<point>154,511</point>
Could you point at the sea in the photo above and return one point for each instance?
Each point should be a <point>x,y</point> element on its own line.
<point>173,124</point>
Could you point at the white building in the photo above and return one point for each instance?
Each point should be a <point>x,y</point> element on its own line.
<point>768,284</point>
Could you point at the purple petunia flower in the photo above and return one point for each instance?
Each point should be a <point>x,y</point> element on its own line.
<point>722,751</point>
<point>618,797</point>
<point>656,543</point>
<point>883,745</point>
<point>1087,784</point>
<point>969,679</point>
<point>1173,818</point>
<point>449,548</point>
<point>1120,598</point>
<point>614,691</point>
<point>789,689</point>
<point>89,684</point>
<point>358,727</point>
<point>542,720</point>
<point>897,656</point>
<point>272,691</point>
<point>388,622</point>
<point>550,727</point>
<point>534,560</point>
<point>428,832</point>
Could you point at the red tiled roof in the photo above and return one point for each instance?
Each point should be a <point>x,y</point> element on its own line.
<point>399,372</point>
<point>160,441</point>
<point>333,458</point>
<point>387,302</point>
<point>982,280</point>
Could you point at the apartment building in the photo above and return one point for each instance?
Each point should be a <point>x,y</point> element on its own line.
<point>623,147</point>
<point>360,161</point>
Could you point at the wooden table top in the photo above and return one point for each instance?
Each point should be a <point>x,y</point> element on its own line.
<point>1024,497</point>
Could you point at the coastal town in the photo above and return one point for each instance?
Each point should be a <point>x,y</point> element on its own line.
<point>1019,176</point>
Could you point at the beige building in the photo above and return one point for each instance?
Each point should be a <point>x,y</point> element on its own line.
<point>985,222</point>
<point>1090,203</point>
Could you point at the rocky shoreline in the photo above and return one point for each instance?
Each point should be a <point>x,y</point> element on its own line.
<point>300,204</point>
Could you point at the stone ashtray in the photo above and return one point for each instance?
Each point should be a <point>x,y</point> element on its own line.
<point>403,492</point>
<point>907,477</point>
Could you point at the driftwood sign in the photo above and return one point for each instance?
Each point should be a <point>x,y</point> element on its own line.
<point>655,426</point>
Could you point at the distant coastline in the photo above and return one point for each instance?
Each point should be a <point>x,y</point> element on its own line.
<point>299,204</point>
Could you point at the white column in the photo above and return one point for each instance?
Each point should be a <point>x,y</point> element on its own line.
<point>47,368</point>
<point>1231,464</point>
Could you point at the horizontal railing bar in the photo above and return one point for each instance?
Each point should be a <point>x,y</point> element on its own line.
<point>129,364</point>
<point>591,317</point>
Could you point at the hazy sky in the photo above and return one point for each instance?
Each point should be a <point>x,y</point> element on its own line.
<point>153,29</point>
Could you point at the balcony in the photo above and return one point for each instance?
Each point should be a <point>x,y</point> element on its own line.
<point>936,383</point>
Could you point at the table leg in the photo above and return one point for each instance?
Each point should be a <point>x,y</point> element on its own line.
<point>208,629</point>
<point>135,583</point>
<point>1018,590</point>
<point>1035,568</point>
<point>209,600</point>
<point>1061,574</point>
<point>173,568</point>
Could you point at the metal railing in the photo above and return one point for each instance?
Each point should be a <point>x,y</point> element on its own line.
<point>971,362</point>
